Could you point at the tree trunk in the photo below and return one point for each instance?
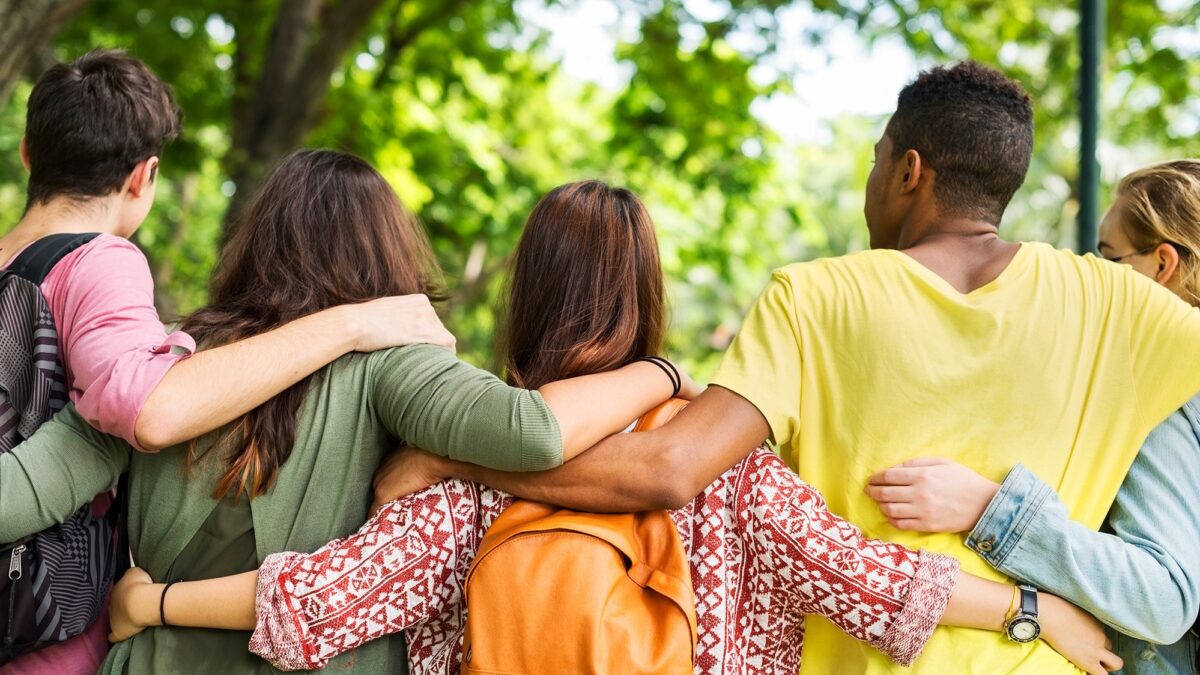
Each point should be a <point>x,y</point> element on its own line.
<point>26,28</point>
<point>276,107</point>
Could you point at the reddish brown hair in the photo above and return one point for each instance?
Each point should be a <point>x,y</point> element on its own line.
<point>586,291</point>
<point>325,229</point>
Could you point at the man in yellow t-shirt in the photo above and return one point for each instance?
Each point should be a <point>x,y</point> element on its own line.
<point>943,341</point>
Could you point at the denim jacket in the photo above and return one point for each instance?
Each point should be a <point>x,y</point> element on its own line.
<point>1141,575</point>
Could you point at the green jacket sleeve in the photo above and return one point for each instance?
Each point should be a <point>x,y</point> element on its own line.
<point>63,466</point>
<point>429,398</point>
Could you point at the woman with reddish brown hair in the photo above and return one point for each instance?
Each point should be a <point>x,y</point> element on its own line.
<point>587,297</point>
<point>295,472</point>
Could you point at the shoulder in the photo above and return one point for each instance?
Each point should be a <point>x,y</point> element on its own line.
<point>411,364</point>
<point>106,248</point>
<point>101,260</point>
<point>1088,266</point>
<point>810,285</point>
<point>833,272</point>
<point>834,265</point>
<point>409,355</point>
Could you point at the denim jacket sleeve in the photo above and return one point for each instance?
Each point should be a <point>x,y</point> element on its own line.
<point>1144,579</point>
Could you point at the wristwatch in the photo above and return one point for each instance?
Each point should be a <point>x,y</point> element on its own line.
<point>1022,625</point>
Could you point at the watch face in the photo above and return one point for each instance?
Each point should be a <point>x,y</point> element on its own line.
<point>1024,629</point>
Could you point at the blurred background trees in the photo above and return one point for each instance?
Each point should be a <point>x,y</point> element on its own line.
<point>466,107</point>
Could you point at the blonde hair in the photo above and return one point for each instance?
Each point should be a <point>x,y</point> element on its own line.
<point>1161,203</point>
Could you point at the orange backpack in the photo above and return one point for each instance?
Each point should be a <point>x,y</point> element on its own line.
<point>557,591</point>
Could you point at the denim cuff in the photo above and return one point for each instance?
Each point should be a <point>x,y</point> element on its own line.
<point>1008,515</point>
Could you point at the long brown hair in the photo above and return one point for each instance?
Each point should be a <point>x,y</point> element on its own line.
<point>586,291</point>
<point>325,229</point>
<point>1161,203</point>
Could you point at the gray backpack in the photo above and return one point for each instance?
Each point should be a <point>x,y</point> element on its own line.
<point>56,579</point>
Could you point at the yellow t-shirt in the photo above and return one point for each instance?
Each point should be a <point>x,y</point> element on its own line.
<point>1063,363</point>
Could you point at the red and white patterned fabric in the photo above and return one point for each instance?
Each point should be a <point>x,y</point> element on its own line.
<point>764,551</point>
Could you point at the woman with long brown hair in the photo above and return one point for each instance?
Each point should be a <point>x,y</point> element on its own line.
<point>326,229</point>
<point>587,296</point>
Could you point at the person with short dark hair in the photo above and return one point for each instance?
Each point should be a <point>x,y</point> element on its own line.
<point>95,132</point>
<point>1141,574</point>
<point>945,340</point>
<point>974,127</point>
<point>91,122</point>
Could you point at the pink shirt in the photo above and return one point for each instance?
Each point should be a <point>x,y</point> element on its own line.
<point>115,351</point>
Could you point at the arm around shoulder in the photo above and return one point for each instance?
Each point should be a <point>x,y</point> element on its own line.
<point>663,468</point>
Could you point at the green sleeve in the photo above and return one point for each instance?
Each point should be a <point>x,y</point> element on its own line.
<point>63,466</point>
<point>429,398</point>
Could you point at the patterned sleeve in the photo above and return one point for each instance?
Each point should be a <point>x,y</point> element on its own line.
<point>882,593</point>
<point>398,570</point>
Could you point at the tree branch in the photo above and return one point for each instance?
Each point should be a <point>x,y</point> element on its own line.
<point>399,39</point>
<point>26,28</point>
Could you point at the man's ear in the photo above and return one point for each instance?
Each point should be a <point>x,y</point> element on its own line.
<point>143,176</point>
<point>911,168</point>
<point>1167,257</point>
<point>24,150</point>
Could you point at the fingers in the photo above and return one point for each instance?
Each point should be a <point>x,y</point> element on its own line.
<point>891,493</point>
<point>1111,662</point>
<point>896,475</point>
<point>411,300</point>
<point>926,461</point>
<point>909,524</point>
<point>444,338</point>
<point>899,510</point>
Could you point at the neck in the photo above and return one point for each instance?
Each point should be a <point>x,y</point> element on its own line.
<point>967,253</point>
<point>950,231</point>
<point>68,215</point>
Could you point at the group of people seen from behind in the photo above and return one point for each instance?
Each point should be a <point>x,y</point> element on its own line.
<point>949,453</point>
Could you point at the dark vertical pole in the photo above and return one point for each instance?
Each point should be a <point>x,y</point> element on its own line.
<point>1091,36</point>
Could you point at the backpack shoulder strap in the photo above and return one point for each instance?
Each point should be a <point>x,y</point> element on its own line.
<point>661,415</point>
<point>36,261</point>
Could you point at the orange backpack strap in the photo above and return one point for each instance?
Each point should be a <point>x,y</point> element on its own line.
<point>660,415</point>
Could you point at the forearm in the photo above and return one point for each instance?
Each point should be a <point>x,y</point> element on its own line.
<point>978,603</point>
<point>593,407</point>
<point>225,603</point>
<point>663,468</point>
<point>1117,579</point>
<point>216,386</point>
<point>609,478</point>
<point>62,467</point>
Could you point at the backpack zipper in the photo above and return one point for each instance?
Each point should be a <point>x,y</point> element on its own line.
<point>14,574</point>
<point>14,565</point>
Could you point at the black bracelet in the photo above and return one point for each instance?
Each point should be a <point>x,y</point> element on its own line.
<point>676,380</point>
<point>162,603</point>
<point>668,368</point>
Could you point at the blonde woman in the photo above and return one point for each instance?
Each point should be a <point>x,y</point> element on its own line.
<point>1143,580</point>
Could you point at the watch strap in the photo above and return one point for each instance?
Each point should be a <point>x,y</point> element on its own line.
<point>1029,604</point>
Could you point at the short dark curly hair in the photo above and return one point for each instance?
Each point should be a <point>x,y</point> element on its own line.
<point>974,127</point>
<point>91,121</point>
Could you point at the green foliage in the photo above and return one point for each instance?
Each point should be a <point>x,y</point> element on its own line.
<point>460,107</point>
